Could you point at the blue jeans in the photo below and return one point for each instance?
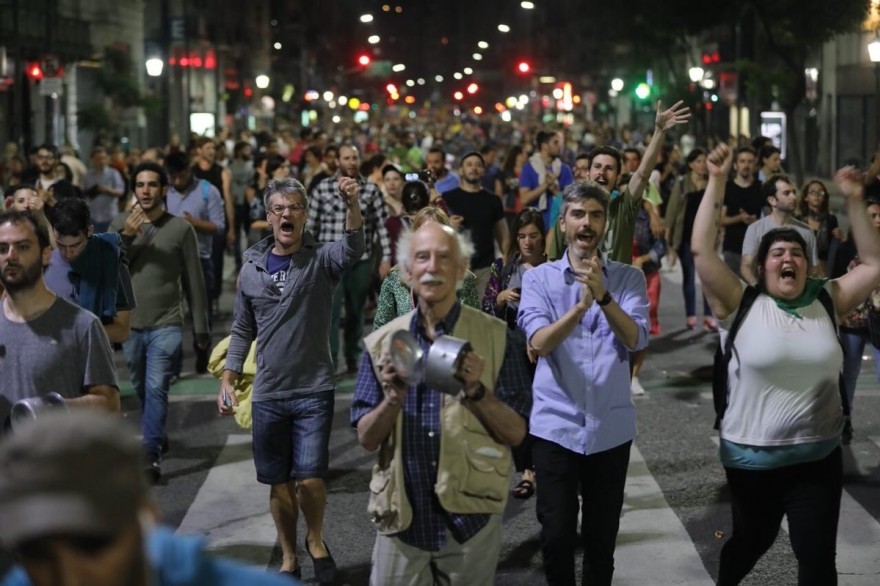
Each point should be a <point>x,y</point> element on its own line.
<point>292,437</point>
<point>853,348</point>
<point>149,354</point>
<point>688,288</point>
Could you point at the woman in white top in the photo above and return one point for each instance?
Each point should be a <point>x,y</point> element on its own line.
<point>780,434</point>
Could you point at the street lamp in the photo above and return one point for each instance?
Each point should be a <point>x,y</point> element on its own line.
<point>696,74</point>
<point>874,54</point>
<point>617,84</point>
<point>262,81</point>
<point>155,66</point>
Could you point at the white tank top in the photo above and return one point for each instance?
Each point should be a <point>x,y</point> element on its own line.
<point>783,377</point>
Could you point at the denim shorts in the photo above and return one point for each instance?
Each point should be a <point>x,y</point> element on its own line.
<point>292,437</point>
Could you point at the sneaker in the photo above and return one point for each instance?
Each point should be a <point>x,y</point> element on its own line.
<point>152,472</point>
<point>636,388</point>
<point>847,432</point>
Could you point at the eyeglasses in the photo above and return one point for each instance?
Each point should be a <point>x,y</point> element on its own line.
<point>294,207</point>
<point>816,192</point>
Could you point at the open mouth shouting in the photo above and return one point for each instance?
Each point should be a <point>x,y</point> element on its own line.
<point>788,274</point>
<point>286,228</point>
<point>587,238</point>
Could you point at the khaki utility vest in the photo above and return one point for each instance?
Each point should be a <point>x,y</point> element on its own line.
<point>473,469</point>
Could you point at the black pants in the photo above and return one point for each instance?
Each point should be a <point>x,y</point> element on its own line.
<point>808,494</point>
<point>522,454</point>
<point>242,226</point>
<point>601,479</point>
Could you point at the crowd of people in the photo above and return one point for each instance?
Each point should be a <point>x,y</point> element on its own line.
<point>540,247</point>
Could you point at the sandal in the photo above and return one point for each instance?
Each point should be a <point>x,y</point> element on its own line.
<point>524,490</point>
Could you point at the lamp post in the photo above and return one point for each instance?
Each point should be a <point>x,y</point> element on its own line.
<point>874,54</point>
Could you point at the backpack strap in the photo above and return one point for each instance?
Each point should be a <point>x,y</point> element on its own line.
<point>828,303</point>
<point>720,382</point>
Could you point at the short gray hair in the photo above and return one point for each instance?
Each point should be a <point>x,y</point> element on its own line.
<point>465,245</point>
<point>287,186</point>
<point>581,191</point>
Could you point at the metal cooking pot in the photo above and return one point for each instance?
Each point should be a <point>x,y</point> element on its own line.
<point>406,357</point>
<point>438,370</point>
<point>444,359</point>
<point>29,409</point>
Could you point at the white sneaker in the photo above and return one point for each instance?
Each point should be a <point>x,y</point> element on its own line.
<point>636,388</point>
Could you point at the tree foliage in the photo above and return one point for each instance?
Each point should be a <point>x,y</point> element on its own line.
<point>117,79</point>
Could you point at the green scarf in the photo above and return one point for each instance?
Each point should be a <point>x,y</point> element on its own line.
<point>811,292</point>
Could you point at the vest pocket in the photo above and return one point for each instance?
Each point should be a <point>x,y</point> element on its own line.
<point>380,506</point>
<point>485,476</point>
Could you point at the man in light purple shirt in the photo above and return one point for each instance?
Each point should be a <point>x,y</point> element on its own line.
<point>583,315</point>
<point>105,185</point>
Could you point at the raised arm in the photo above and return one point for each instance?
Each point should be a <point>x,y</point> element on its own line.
<point>720,285</point>
<point>665,120</point>
<point>854,287</point>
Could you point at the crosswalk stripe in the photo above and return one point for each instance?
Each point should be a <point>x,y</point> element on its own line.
<point>858,539</point>
<point>653,547</point>
<point>231,509</point>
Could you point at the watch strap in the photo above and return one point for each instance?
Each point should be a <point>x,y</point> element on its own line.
<point>606,299</point>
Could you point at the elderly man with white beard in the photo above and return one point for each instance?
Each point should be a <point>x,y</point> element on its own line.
<point>442,477</point>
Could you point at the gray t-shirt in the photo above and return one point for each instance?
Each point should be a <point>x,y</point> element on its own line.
<point>757,230</point>
<point>65,350</point>
<point>61,281</point>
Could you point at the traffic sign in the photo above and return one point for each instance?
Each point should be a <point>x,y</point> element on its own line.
<point>51,85</point>
<point>51,65</point>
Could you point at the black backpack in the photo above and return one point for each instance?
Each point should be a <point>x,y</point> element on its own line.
<point>720,392</point>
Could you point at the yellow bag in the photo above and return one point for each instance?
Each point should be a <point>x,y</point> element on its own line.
<point>245,384</point>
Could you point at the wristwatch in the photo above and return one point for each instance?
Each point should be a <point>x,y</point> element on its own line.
<point>479,394</point>
<point>606,299</point>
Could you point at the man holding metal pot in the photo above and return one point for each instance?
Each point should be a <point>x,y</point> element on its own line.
<point>47,344</point>
<point>442,477</point>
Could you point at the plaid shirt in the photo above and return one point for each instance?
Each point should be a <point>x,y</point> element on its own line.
<point>421,437</point>
<point>326,219</point>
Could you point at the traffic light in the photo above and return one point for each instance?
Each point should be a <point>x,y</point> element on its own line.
<point>458,96</point>
<point>391,88</point>
<point>523,67</point>
<point>643,91</point>
<point>34,71</point>
<point>364,59</point>
<point>472,88</point>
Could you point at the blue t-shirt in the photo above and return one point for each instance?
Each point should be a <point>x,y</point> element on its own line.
<point>278,267</point>
<point>528,179</point>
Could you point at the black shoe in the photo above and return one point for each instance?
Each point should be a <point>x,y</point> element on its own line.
<point>325,568</point>
<point>151,467</point>
<point>165,445</point>
<point>847,432</point>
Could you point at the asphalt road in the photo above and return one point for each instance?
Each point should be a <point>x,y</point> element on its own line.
<point>674,522</point>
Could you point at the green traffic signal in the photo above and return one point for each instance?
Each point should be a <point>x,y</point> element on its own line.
<point>643,90</point>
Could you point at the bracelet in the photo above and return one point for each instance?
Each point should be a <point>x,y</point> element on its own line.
<point>481,392</point>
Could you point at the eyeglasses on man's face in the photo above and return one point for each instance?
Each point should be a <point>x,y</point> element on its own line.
<point>294,207</point>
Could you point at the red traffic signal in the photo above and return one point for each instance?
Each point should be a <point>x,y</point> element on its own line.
<point>391,88</point>
<point>472,88</point>
<point>34,71</point>
<point>364,59</point>
<point>458,96</point>
<point>523,67</point>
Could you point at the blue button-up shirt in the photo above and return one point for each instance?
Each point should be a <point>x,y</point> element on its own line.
<point>203,202</point>
<point>421,436</point>
<point>581,390</point>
